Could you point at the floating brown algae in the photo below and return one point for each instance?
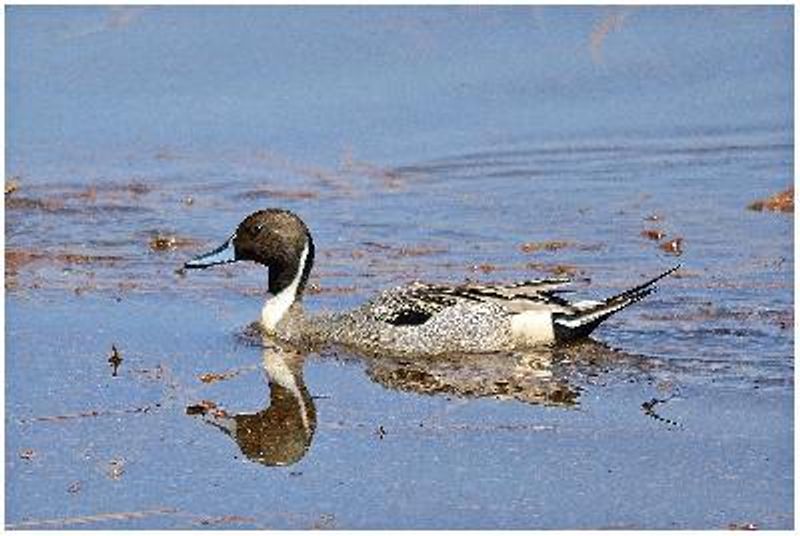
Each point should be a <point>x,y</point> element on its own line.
<point>780,202</point>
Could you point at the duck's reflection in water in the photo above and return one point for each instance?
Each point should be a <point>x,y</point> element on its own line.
<point>549,376</point>
<point>280,434</point>
<point>525,377</point>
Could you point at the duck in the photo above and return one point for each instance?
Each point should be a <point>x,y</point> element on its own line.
<point>417,318</point>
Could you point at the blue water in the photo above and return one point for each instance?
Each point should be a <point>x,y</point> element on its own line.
<point>387,83</point>
<point>428,143</point>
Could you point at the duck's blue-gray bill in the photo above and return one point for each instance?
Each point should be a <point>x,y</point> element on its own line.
<point>222,255</point>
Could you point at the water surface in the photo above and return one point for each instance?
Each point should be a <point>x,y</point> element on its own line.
<point>444,144</point>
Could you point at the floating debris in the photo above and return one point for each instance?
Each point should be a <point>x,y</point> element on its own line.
<point>201,408</point>
<point>211,377</point>
<point>12,185</point>
<point>84,520</point>
<point>418,251</point>
<point>226,519</point>
<point>27,454</point>
<point>653,234</point>
<point>381,432</point>
<point>654,217</point>
<point>17,258</point>
<point>137,188</point>
<point>289,195</point>
<point>168,242</point>
<point>205,407</point>
<point>75,487</point>
<point>742,526</point>
<point>409,250</point>
<point>115,360</point>
<point>79,258</point>
<point>486,268</point>
<point>162,243</point>
<point>26,203</point>
<point>648,408</point>
<point>780,202</point>
<point>115,468</point>
<point>90,194</point>
<point>674,246</point>
<point>553,245</point>
<point>325,521</point>
<point>559,270</point>
<point>316,288</point>
<point>90,413</point>
<point>376,245</point>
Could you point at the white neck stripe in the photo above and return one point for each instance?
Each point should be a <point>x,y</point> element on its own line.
<point>280,373</point>
<point>278,305</point>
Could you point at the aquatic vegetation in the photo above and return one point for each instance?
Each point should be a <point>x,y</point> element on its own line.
<point>780,202</point>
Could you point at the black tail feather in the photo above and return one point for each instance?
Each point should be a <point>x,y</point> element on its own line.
<point>581,322</point>
<point>644,285</point>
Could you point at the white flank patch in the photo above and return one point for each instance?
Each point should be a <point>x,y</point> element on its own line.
<point>533,327</point>
<point>277,306</point>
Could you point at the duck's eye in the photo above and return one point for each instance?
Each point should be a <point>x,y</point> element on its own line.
<point>258,228</point>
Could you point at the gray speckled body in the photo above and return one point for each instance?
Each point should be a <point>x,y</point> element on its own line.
<point>461,327</point>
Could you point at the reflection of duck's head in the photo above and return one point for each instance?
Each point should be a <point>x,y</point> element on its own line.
<point>280,434</point>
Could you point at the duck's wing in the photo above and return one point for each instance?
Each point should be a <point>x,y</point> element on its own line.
<point>515,295</point>
<point>411,305</point>
<point>417,303</point>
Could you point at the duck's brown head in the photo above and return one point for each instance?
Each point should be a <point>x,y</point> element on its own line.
<point>275,238</point>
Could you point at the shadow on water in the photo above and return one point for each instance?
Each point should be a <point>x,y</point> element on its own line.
<point>281,434</point>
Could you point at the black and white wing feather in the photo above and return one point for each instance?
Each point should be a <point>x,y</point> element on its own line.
<point>417,303</point>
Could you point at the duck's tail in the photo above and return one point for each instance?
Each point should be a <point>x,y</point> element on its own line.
<point>586,316</point>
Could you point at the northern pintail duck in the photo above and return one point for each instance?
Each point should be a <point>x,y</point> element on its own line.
<point>418,318</point>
